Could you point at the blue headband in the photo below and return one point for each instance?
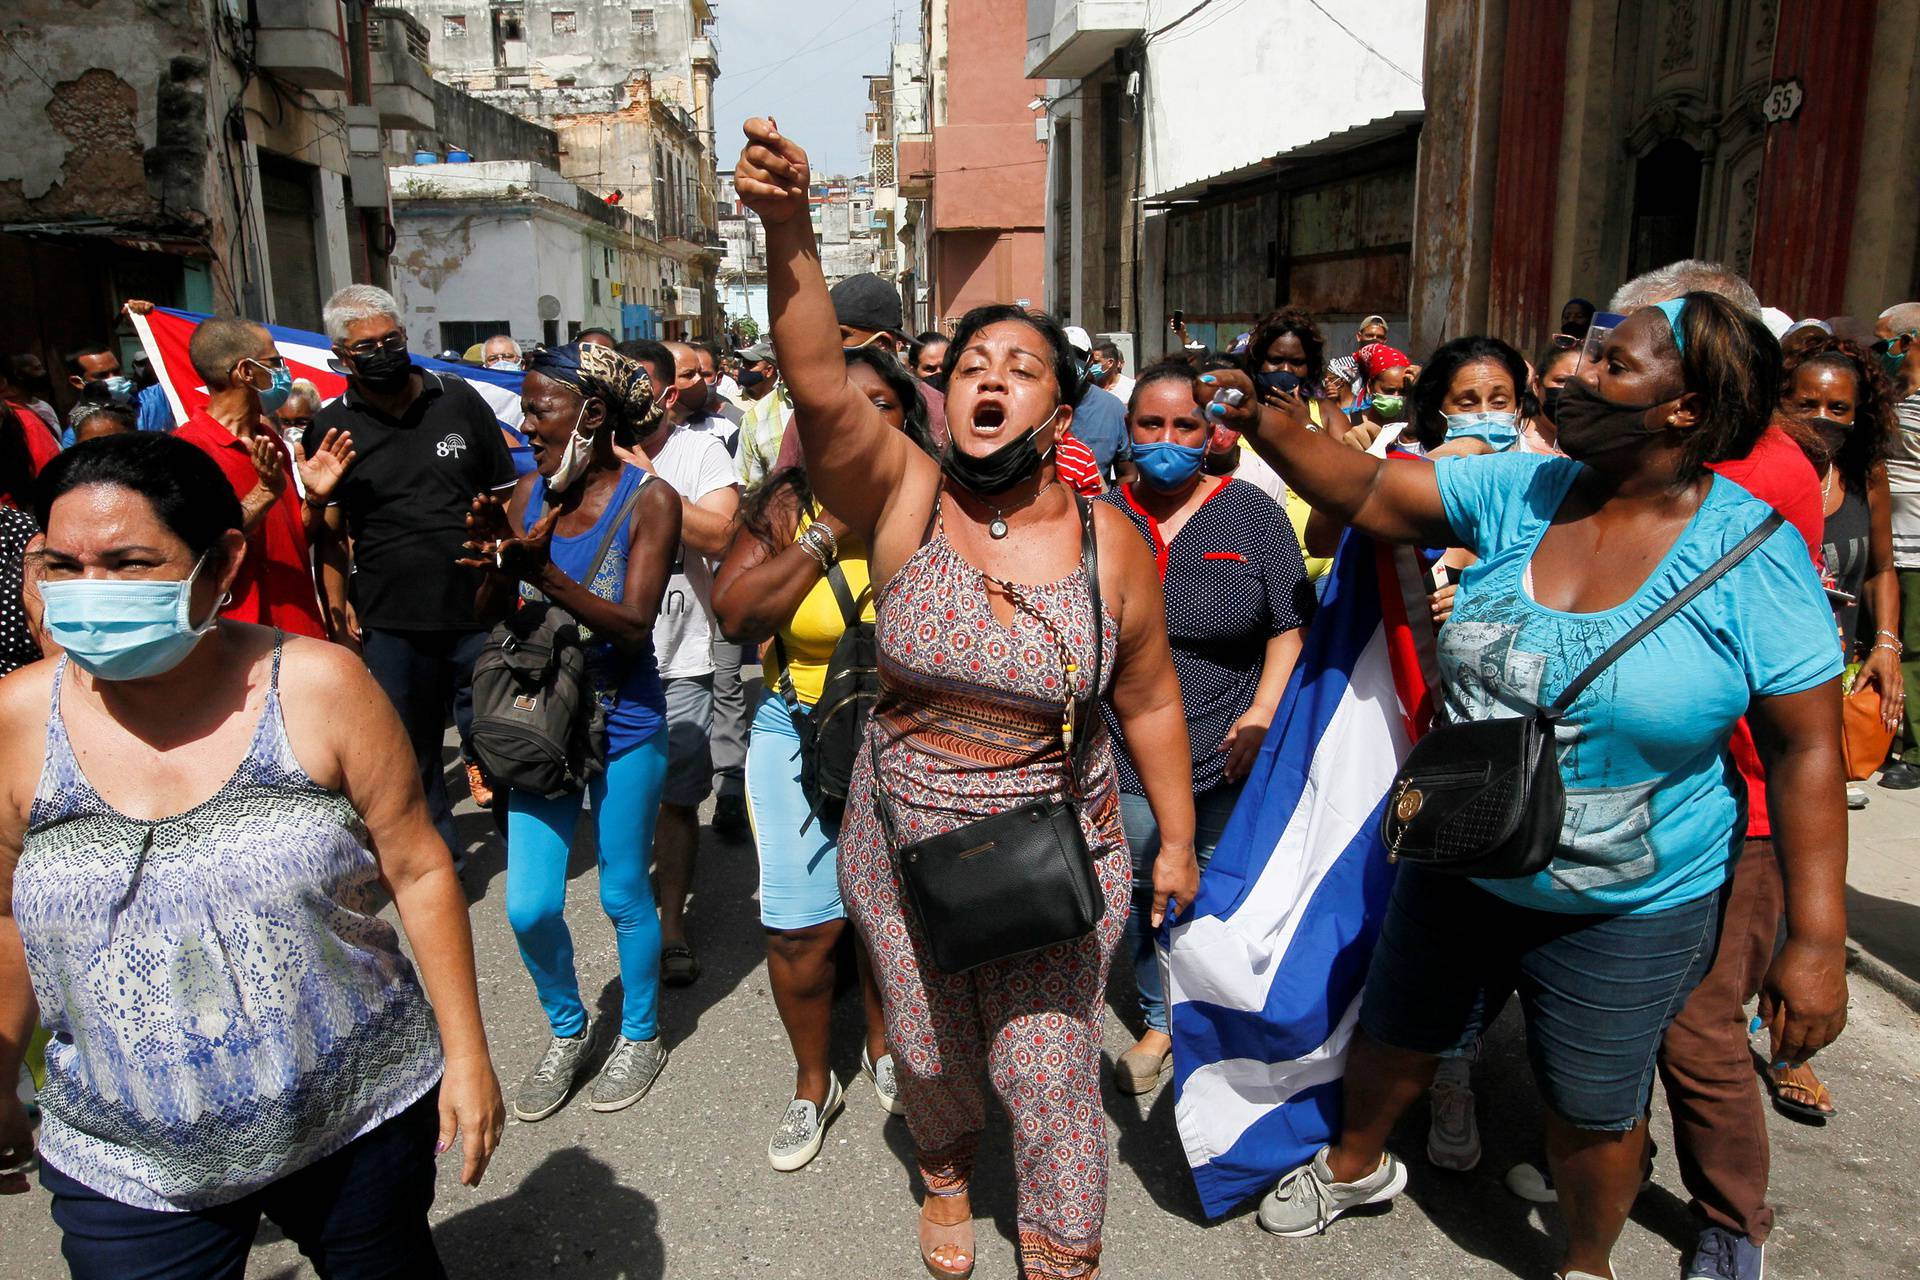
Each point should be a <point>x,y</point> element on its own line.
<point>1673,309</point>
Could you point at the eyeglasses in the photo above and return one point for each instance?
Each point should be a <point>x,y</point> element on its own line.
<point>1564,341</point>
<point>1885,345</point>
<point>395,342</point>
<point>302,423</point>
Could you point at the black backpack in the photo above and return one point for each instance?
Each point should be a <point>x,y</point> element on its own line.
<point>832,732</point>
<point>537,726</point>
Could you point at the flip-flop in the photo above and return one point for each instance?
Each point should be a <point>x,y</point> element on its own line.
<point>954,1239</point>
<point>678,965</point>
<point>1801,1080</point>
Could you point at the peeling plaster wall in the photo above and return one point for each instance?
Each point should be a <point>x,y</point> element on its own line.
<point>115,141</point>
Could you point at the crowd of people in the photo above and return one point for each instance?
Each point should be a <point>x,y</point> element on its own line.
<point>1024,617</point>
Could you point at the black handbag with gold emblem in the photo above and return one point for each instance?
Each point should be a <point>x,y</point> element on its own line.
<point>1485,798</point>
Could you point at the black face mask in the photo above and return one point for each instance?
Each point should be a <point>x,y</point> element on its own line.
<point>382,370</point>
<point>999,471</point>
<point>1550,403</point>
<point>1588,424</point>
<point>1833,435</point>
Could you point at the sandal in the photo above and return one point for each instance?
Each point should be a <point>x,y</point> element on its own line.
<point>1799,1093</point>
<point>678,965</point>
<point>954,1241</point>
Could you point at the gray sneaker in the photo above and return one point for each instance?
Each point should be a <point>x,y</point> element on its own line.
<point>797,1141</point>
<point>630,1071</point>
<point>546,1086</point>
<point>1308,1198</point>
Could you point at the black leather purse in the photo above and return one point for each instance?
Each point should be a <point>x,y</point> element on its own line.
<point>1485,798</point>
<point>1020,880</point>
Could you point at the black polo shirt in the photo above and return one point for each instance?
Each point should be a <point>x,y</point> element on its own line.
<point>406,498</point>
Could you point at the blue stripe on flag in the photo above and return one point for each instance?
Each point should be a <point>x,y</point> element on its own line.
<point>1315,982</point>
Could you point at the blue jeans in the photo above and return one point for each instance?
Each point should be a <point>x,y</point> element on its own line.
<point>1597,991</point>
<point>428,676</point>
<point>1210,811</point>
<point>626,800</point>
<point>358,1214</point>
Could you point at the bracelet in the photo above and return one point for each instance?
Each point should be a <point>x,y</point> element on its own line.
<point>1893,649</point>
<point>819,543</point>
<point>1889,635</point>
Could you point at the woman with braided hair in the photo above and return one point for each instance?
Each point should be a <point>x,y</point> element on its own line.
<point>584,402</point>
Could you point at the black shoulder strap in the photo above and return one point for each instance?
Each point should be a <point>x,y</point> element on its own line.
<point>843,593</point>
<point>1678,602</point>
<point>1089,706</point>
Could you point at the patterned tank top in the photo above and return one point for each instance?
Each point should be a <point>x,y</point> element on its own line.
<point>969,719</point>
<point>226,1006</point>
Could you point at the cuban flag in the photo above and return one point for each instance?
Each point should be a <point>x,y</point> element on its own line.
<point>165,332</point>
<point>1265,972</point>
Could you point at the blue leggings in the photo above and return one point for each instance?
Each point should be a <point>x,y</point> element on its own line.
<point>626,799</point>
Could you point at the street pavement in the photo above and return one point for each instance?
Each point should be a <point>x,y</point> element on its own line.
<point>679,1185</point>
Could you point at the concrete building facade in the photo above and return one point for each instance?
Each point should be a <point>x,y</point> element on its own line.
<point>976,167</point>
<point>512,247</point>
<point>1158,200</point>
<point>148,156</point>
<point>628,91</point>
<point>1571,145</point>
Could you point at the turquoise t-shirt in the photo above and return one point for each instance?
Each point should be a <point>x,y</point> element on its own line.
<point>1655,807</point>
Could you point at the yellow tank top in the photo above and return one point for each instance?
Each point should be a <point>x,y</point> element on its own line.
<point>816,626</point>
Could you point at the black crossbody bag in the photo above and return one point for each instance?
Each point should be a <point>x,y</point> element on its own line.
<point>1485,798</point>
<point>1020,880</point>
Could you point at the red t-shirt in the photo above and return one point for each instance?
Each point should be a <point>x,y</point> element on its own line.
<point>275,587</point>
<point>1076,465</point>
<point>1777,473</point>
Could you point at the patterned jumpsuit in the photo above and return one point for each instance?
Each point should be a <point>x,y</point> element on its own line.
<point>969,726</point>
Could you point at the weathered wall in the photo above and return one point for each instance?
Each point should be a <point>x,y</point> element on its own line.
<point>605,46</point>
<point>485,131</point>
<point>123,139</point>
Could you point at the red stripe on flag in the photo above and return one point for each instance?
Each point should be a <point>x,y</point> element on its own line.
<point>1403,649</point>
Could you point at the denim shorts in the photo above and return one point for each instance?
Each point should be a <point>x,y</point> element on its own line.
<point>1597,991</point>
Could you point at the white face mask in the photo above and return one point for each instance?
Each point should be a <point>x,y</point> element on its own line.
<point>574,459</point>
<point>506,362</point>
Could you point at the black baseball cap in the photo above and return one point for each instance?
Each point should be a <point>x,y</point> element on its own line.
<point>867,301</point>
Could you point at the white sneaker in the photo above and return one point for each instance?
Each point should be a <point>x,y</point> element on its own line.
<point>1856,796</point>
<point>1453,1135</point>
<point>1308,1198</point>
<point>802,1130</point>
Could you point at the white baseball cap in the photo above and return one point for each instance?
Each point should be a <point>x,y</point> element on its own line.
<point>1078,339</point>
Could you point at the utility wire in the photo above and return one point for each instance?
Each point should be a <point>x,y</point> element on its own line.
<point>1355,37</point>
<point>822,30</point>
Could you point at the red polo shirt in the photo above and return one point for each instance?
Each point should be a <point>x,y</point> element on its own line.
<point>275,587</point>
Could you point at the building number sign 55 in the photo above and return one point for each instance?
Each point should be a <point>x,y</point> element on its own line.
<point>1783,101</point>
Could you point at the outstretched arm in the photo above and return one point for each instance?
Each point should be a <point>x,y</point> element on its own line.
<point>855,460</point>
<point>1397,501</point>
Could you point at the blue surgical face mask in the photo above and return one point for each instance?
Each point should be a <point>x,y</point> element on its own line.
<point>120,629</point>
<point>278,390</point>
<point>1498,427</point>
<point>121,387</point>
<point>1166,465</point>
<point>1096,371</point>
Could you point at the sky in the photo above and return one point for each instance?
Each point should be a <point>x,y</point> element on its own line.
<point>804,62</point>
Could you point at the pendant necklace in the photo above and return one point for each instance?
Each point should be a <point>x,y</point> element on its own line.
<point>997,528</point>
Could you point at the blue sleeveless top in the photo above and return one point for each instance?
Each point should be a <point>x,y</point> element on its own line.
<point>227,1006</point>
<point>627,684</point>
